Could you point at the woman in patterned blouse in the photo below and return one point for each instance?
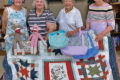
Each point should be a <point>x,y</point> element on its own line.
<point>14,13</point>
<point>100,18</point>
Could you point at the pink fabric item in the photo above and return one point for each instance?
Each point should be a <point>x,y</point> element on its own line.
<point>35,36</point>
<point>35,27</point>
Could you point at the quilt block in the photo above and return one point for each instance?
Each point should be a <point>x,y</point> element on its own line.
<point>58,70</point>
<point>95,68</point>
<point>25,69</point>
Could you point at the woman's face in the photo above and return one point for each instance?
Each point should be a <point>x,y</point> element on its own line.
<point>39,4</point>
<point>17,2</point>
<point>68,4</point>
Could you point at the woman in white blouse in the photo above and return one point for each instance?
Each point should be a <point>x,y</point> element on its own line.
<point>69,18</point>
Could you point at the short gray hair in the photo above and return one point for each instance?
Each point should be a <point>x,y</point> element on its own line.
<point>45,3</point>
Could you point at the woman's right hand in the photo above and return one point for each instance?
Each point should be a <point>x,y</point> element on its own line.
<point>28,42</point>
<point>70,33</point>
<point>86,28</point>
<point>7,36</point>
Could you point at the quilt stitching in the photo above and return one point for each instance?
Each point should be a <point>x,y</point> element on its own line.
<point>58,70</point>
<point>92,69</point>
<point>26,70</point>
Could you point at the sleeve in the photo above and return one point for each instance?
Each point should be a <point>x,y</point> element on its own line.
<point>58,17</point>
<point>28,21</point>
<point>50,17</point>
<point>78,19</point>
<point>88,16</point>
<point>29,17</point>
<point>110,17</point>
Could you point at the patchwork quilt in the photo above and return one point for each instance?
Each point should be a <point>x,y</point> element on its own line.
<point>48,66</point>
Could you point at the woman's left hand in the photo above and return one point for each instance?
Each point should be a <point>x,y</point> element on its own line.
<point>99,37</point>
<point>70,33</point>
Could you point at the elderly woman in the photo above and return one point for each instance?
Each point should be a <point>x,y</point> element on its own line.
<point>42,17</point>
<point>12,14</point>
<point>100,18</point>
<point>69,18</point>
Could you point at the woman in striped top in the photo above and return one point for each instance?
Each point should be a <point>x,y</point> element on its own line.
<point>100,18</point>
<point>42,17</point>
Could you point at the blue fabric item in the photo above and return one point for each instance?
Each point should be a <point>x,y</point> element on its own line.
<point>116,41</point>
<point>8,73</point>
<point>91,51</point>
<point>112,59</point>
<point>58,39</point>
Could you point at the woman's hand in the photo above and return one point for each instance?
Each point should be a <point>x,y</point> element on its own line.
<point>99,37</point>
<point>28,42</point>
<point>70,33</point>
<point>46,37</point>
<point>86,28</point>
<point>7,36</point>
<point>106,31</point>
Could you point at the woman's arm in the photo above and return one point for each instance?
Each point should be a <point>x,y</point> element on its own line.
<point>71,33</point>
<point>4,20</point>
<point>78,24</point>
<point>87,26</point>
<point>110,23</point>
<point>51,27</point>
<point>88,20</point>
<point>102,34</point>
<point>51,23</point>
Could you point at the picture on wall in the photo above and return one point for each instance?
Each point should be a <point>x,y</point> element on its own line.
<point>9,2</point>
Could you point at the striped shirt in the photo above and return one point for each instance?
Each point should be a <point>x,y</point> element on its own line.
<point>41,20</point>
<point>100,17</point>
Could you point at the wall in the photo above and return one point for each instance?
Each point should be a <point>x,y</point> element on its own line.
<point>82,5</point>
<point>55,7</point>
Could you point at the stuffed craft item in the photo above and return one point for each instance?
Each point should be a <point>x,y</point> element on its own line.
<point>17,38</point>
<point>33,39</point>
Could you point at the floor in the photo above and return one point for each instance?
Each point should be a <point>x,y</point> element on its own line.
<point>2,57</point>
